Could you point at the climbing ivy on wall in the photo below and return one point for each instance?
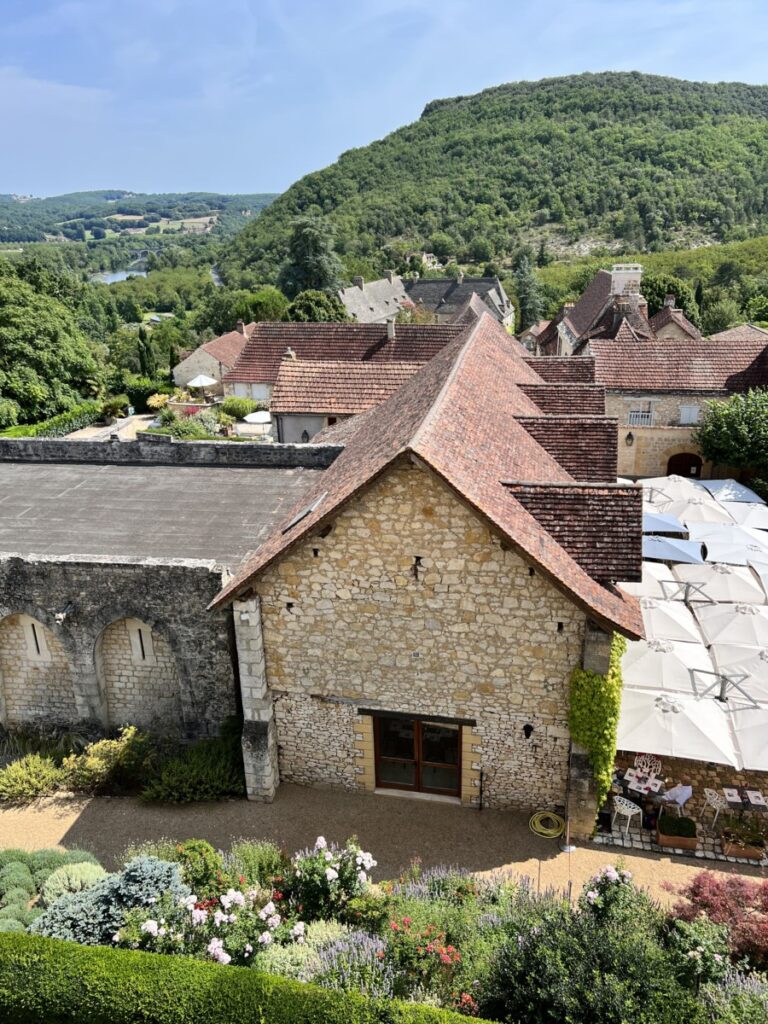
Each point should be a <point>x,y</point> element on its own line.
<point>594,715</point>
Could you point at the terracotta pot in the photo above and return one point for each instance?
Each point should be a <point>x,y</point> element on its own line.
<point>737,850</point>
<point>677,842</point>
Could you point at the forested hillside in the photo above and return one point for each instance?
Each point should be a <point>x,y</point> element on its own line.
<point>637,161</point>
<point>82,215</point>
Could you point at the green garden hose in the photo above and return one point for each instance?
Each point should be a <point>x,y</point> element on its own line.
<point>547,824</point>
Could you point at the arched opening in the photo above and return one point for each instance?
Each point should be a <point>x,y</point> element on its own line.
<point>35,675</point>
<point>685,464</point>
<point>139,677</point>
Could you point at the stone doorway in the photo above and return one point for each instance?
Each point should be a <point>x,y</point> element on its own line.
<point>685,464</point>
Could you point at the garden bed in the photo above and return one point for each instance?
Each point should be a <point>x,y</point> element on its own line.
<point>676,833</point>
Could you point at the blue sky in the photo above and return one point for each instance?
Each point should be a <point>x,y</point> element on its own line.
<point>248,95</point>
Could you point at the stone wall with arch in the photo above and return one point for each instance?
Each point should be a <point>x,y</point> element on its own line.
<point>186,688</point>
<point>36,684</point>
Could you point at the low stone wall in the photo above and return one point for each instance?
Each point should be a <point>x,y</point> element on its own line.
<point>75,600</point>
<point>159,449</point>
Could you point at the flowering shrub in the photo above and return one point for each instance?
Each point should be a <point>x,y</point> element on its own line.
<point>700,950</point>
<point>732,901</point>
<point>356,962</point>
<point>323,880</point>
<point>421,958</point>
<point>611,894</point>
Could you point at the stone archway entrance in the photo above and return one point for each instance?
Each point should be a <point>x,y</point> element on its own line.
<point>685,464</point>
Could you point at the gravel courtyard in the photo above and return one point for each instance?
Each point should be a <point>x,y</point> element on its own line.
<point>395,829</point>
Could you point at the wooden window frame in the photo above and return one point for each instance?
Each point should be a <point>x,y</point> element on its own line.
<point>417,762</point>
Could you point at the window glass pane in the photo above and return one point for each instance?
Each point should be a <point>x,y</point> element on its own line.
<point>396,737</point>
<point>440,743</point>
<point>397,773</point>
<point>440,778</point>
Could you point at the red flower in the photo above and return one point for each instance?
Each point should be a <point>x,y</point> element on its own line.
<point>394,926</point>
<point>277,895</point>
<point>406,921</point>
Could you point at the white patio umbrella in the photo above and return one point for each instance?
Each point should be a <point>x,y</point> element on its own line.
<point>661,522</point>
<point>668,620</point>
<point>730,543</point>
<point>675,725</point>
<point>759,567</point>
<point>698,510</point>
<point>666,665</point>
<point>748,513</point>
<point>202,380</point>
<point>260,416</point>
<point>747,666</point>
<point>658,581</point>
<point>730,490</point>
<point>668,549</point>
<point>750,726</point>
<point>719,582</point>
<point>745,624</point>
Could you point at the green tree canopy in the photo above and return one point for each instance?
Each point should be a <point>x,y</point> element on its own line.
<point>315,306</point>
<point>720,316</point>
<point>655,288</point>
<point>46,364</point>
<point>312,262</point>
<point>223,307</point>
<point>529,293</point>
<point>734,432</point>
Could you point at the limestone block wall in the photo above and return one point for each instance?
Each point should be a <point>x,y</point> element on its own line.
<point>411,604</point>
<point>34,688</point>
<point>139,690</point>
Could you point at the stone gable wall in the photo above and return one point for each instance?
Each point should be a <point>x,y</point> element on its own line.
<point>353,621</point>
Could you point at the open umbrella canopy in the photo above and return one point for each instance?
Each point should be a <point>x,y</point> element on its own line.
<point>658,581</point>
<point>669,549</point>
<point>668,620</point>
<point>733,544</point>
<point>748,513</point>
<point>718,582</point>
<point>260,416</point>
<point>698,510</point>
<point>660,490</point>
<point>666,665</point>
<point>748,666</point>
<point>202,380</point>
<point>759,567</point>
<point>676,725</point>
<point>730,490</point>
<point>745,624</point>
<point>750,726</point>
<point>661,522</point>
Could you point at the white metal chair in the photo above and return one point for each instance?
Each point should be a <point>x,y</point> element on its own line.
<point>714,800</point>
<point>626,808</point>
<point>648,764</point>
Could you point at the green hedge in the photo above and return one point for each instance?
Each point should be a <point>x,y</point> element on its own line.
<point>74,419</point>
<point>44,980</point>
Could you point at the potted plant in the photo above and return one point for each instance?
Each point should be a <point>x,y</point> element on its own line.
<point>679,833</point>
<point>743,837</point>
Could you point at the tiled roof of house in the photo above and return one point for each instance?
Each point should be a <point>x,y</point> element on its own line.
<point>226,348</point>
<point>307,386</point>
<point>563,369</point>
<point>701,366</point>
<point>565,399</point>
<point>582,314</point>
<point>371,302</point>
<point>261,358</point>
<point>447,296</point>
<point>669,315</point>
<point>744,332</point>
<point>611,546</point>
<point>458,417</point>
<point>586,446</point>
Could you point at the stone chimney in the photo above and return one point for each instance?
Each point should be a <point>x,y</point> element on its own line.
<point>669,301</point>
<point>642,306</point>
<point>390,330</point>
<point>625,278</point>
<point>390,275</point>
<point>240,327</point>
<point>358,282</point>
<point>460,277</point>
<point>289,353</point>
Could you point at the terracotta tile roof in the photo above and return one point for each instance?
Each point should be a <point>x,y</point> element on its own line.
<point>260,360</point>
<point>584,445</point>
<point>700,366</point>
<point>744,332</point>
<point>563,369</point>
<point>473,309</point>
<point>458,417</point>
<point>227,348</point>
<point>582,314</point>
<point>562,399</point>
<point>668,315</point>
<point>594,523</point>
<point>307,386</point>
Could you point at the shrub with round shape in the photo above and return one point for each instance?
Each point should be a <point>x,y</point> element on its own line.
<point>16,876</point>
<point>70,878</point>
<point>28,778</point>
<point>11,925</point>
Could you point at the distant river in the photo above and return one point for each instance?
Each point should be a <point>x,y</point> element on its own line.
<point>112,276</point>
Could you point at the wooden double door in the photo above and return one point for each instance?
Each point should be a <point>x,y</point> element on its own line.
<point>418,755</point>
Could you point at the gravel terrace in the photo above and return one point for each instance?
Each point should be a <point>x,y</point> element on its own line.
<point>394,828</point>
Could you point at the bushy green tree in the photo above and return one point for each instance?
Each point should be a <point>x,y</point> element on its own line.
<point>529,293</point>
<point>223,307</point>
<point>720,316</point>
<point>312,262</point>
<point>316,306</point>
<point>734,432</point>
<point>655,288</point>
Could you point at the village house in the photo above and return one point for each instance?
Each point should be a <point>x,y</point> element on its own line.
<point>214,358</point>
<point>400,606</point>
<point>374,302</point>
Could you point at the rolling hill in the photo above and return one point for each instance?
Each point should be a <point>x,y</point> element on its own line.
<point>634,161</point>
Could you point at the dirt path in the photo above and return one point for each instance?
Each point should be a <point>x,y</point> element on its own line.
<point>395,829</point>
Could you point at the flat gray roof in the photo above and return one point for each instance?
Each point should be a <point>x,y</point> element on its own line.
<point>163,512</point>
